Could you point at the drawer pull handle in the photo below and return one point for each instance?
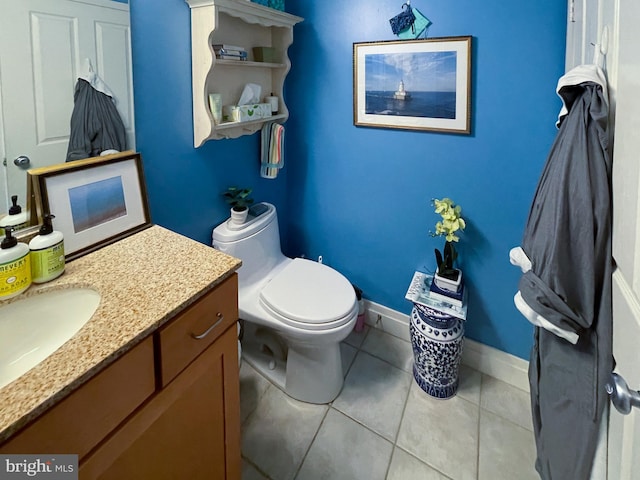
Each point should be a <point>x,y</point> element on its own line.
<point>208,330</point>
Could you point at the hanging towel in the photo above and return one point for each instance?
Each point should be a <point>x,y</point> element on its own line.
<point>271,150</point>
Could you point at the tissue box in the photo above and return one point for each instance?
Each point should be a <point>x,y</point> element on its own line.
<point>245,113</point>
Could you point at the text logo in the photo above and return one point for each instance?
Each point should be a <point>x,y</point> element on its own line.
<point>50,467</point>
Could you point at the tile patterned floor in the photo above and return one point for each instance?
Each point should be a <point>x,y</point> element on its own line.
<point>382,426</point>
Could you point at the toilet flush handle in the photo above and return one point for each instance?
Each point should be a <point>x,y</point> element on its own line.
<point>220,317</point>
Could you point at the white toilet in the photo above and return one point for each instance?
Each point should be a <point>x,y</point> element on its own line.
<point>296,311</point>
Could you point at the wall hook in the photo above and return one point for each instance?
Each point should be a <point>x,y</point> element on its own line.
<point>601,48</point>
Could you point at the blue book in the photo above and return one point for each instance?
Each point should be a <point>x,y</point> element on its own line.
<point>454,298</point>
<point>419,292</point>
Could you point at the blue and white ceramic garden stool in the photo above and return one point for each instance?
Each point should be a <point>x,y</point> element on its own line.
<point>437,340</point>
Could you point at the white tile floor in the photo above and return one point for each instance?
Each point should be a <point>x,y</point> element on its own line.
<point>383,426</point>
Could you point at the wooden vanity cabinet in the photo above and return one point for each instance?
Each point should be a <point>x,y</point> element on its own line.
<point>180,419</point>
<point>191,427</point>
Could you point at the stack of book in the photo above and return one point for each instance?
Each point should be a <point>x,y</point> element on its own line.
<point>423,291</point>
<point>229,52</point>
<point>454,298</point>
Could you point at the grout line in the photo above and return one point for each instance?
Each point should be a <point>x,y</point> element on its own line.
<point>482,409</point>
<point>432,467</point>
<point>395,439</point>
<point>250,414</point>
<point>383,360</point>
<point>315,435</point>
<point>256,467</point>
<point>363,425</point>
<point>344,374</point>
<point>404,410</point>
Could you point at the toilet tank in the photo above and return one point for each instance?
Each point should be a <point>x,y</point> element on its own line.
<point>256,242</point>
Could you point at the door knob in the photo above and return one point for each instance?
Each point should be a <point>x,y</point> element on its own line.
<point>22,161</point>
<point>621,396</point>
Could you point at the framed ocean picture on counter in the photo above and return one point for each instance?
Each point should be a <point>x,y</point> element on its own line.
<point>95,201</point>
<point>415,85</point>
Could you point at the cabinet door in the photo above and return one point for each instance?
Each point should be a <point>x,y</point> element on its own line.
<point>81,421</point>
<point>191,429</point>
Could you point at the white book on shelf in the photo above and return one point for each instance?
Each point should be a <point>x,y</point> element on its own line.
<point>231,57</point>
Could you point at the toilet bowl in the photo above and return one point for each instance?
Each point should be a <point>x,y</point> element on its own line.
<point>296,311</point>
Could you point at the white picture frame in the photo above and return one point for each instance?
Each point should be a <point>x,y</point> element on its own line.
<point>413,84</point>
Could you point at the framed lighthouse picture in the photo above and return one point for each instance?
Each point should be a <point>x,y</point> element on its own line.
<point>414,85</point>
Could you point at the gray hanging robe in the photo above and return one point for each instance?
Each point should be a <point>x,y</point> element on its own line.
<point>96,125</point>
<point>565,289</point>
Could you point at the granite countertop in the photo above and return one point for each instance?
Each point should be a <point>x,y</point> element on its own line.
<point>144,280</point>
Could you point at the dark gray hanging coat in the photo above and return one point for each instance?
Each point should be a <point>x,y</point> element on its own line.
<point>96,125</point>
<point>566,286</point>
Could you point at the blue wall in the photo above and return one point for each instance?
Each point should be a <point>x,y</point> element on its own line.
<point>361,196</point>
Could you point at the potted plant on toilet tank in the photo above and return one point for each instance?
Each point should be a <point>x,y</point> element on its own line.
<point>447,276</point>
<point>239,200</point>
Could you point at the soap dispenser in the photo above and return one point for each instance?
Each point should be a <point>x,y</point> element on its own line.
<point>16,218</point>
<point>47,252</point>
<point>15,266</point>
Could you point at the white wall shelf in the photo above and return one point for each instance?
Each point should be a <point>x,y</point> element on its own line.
<point>246,24</point>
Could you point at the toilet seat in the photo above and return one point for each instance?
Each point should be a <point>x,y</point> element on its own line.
<point>309,295</point>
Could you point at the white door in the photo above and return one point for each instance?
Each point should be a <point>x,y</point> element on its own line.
<point>43,47</point>
<point>618,19</point>
<point>624,431</point>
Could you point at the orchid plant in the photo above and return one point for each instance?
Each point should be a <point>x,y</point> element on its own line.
<point>451,224</point>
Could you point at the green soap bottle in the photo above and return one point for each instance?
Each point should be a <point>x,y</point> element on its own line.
<point>47,252</point>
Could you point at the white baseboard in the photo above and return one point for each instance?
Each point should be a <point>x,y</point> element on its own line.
<point>488,360</point>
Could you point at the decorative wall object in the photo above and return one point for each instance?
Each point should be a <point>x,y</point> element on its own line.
<point>95,201</point>
<point>415,85</point>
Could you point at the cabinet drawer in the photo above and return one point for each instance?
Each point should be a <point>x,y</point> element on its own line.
<point>208,318</point>
<point>80,421</point>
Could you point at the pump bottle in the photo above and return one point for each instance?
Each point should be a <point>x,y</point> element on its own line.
<point>47,252</point>
<point>16,217</point>
<point>15,266</point>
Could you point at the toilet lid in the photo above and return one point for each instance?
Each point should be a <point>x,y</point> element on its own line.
<point>310,293</point>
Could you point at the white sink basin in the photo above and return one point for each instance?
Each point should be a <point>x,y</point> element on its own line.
<point>33,328</point>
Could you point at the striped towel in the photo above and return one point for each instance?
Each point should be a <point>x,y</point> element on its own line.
<point>271,150</point>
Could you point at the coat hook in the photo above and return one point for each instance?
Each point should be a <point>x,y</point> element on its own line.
<point>604,40</point>
<point>601,48</point>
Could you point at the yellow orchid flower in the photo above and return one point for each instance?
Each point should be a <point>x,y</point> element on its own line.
<point>451,223</point>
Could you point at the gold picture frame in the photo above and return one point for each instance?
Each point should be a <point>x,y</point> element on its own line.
<point>413,84</point>
<point>96,201</point>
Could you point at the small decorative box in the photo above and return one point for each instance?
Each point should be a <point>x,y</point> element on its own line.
<point>264,54</point>
<point>261,2</point>
<point>277,4</point>
<point>245,113</point>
